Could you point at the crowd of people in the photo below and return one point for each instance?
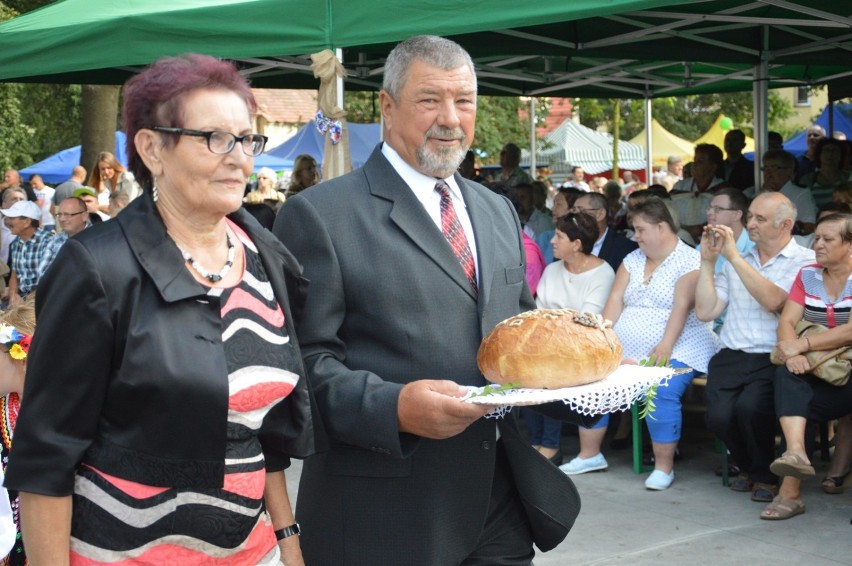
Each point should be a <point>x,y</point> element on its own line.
<point>720,279</point>
<point>164,356</point>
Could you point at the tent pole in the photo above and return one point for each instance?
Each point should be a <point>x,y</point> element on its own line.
<point>338,88</point>
<point>760,97</point>
<point>532,139</point>
<point>830,118</point>
<point>649,151</point>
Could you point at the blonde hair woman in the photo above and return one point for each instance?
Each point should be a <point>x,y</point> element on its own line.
<point>108,176</point>
<point>304,174</point>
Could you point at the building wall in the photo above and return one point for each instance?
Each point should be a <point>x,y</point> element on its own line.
<point>807,105</point>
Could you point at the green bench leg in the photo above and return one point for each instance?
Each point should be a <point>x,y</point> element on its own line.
<point>638,467</point>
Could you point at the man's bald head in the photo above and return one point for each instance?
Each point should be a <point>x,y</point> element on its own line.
<point>78,173</point>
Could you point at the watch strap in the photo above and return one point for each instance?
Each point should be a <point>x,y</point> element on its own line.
<point>293,529</point>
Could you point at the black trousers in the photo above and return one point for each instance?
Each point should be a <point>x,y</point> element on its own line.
<point>810,397</point>
<point>741,409</point>
<point>506,538</point>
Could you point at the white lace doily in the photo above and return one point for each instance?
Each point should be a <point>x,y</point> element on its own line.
<point>616,392</point>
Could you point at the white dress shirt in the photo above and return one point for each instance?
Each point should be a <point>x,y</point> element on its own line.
<point>748,326</point>
<point>423,187</point>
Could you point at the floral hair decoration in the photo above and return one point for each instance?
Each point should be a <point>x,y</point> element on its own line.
<point>16,342</point>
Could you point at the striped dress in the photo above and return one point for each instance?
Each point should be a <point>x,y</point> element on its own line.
<point>119,522</point>
<point>809,291</point>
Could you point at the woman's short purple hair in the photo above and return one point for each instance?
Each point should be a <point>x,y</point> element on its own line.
<point>154,97</point>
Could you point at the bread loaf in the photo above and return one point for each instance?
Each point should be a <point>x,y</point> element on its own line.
<point>549,349</point>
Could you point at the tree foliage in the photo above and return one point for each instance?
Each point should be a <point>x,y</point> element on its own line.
<point>687,117</point>
<point>499,120</point>
<point>38,119</point>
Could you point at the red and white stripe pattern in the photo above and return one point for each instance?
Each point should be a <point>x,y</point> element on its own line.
<point>119,522</point>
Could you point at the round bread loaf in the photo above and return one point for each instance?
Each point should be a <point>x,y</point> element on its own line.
<point>549,349</point>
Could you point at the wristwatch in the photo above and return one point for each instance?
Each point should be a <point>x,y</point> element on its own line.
<point>293,529</point>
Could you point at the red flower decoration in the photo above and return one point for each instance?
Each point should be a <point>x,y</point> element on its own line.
<point>25,342</point>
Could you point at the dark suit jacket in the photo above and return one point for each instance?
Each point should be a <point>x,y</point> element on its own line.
<point>615,247</point>
<point>127,371</point>
<point>389,304</point>
<point>742,175</point>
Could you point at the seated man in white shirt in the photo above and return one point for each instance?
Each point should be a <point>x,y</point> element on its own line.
<point>753,287</point>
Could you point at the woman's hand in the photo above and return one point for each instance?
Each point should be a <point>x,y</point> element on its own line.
<point>661,352</point>
<point>790,348</point>
<point>798,365</point>
<point>291,551</point>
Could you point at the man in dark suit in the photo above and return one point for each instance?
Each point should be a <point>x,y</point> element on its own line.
<point>390,332</point>
<point>611,246</point>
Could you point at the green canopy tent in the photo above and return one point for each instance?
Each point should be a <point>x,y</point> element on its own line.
<point>586,48</point>
<point>623,48</point>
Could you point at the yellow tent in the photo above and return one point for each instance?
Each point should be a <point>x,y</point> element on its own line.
<point>716,136</point>
<point>664,144</point>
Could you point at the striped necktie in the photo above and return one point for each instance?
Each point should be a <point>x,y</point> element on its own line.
<point>454,233</point>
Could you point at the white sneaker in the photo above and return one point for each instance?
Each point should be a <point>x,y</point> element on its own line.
<point>659,480</point>
<point>582,465</point>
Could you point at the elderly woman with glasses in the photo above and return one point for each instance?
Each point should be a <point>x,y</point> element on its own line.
<point>165,391</point>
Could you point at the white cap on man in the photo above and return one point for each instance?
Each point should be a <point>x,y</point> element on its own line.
<point>25,208</point>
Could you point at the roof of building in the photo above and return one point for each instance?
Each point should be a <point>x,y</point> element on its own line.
<point>286,106</point>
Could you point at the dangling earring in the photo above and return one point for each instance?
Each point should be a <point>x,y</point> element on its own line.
<point>155,194</point>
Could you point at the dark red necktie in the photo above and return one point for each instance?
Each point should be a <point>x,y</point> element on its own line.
<point>454,233</point>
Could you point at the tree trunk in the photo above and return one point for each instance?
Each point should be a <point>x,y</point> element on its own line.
<point>99,105</point>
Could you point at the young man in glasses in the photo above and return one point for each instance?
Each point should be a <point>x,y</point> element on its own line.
<point>729,207</point>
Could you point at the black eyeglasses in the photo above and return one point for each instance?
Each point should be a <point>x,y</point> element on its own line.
<point>69,214</point>
<point>718,209</point>
<point>576,209</point>
<point>220,143</point>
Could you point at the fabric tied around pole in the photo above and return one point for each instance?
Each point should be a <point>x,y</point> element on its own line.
<point>454,233</point>
<point>331,118</point>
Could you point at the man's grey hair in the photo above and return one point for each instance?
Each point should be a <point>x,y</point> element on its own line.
<point>786,209</point>
<point>817,128</point>
<point>7,194</point>
<point>430,49</point>
<point>120,198</point>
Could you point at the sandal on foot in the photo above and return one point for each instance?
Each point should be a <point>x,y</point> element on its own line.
<point>792,465</point>
<point>742,483</point>
<point>834,485</point>
<point>764,492</point>
<point>781,509</point>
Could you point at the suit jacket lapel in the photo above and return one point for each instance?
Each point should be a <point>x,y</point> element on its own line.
<point>411,218</point>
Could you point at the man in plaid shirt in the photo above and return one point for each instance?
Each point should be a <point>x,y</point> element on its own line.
<point>25,253</point>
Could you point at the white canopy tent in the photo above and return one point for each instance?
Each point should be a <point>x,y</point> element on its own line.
<point>573,144</point>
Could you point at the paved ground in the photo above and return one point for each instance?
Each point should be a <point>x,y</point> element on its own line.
<point>697,520</point>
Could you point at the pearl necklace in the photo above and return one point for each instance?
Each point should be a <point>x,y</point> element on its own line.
<point>213,277</point>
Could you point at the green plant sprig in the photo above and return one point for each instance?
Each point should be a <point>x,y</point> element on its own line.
<point>492,389</point>
<point>648,406</point>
